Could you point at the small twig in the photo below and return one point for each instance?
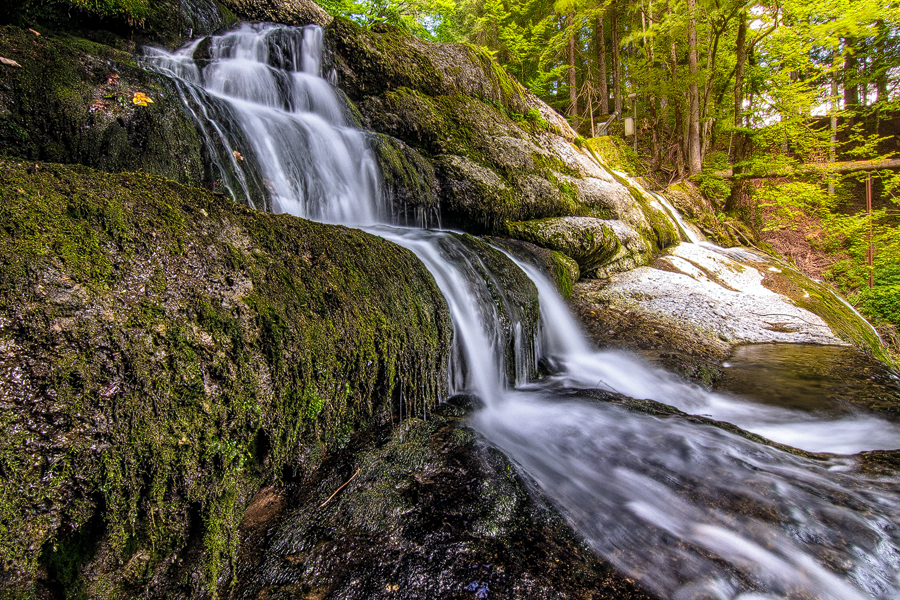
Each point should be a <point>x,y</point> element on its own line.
<point>339,489</point>
<point>611,387</point>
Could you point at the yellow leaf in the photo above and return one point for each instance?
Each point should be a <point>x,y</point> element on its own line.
<point>141,99</point>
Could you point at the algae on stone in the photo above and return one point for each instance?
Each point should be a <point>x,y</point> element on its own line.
<point>72,102</point>
<point>165,352</point>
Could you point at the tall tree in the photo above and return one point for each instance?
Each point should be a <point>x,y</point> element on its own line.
<point>601,65</point>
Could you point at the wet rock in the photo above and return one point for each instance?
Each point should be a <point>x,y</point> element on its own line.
<point>499,153</point>
<point>166,353</point>
<point>287,12</point>
<point>562,270</point>
<point>719,298</point>
<point>427,511</point>
<point>72,102</point>
<point>591,242</point>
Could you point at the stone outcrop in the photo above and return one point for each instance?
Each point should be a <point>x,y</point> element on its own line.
<point>496,152</point>
<point>288,12</point>
<point>723,297</point>
<point>165,352</point>
<point>599,246</point>
<point>72,101</point>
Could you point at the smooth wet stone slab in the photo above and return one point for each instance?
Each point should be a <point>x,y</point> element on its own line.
<point>719,298</point>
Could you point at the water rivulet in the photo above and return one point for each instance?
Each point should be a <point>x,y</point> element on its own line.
<point>691,509</point>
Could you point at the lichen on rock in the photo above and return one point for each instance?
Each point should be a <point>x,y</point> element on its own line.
<point>167,352</point>
<point>72,102</point>
<point>592,243</point>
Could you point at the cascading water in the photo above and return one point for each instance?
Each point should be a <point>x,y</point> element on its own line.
<point>276,131</point>
<point>692,510</point>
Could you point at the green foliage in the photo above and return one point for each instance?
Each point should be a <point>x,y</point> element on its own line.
<point>793,202</point>
<point>713,186</point>
<point>425,18</point>
<point>881,302</point>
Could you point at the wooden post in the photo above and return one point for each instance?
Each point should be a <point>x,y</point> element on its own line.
<point>871,253</point>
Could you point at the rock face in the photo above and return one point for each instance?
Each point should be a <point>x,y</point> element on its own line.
<point>165,352</point>
<point>495,152</point>
<point>288,12</point>
<point>428,512</point>
<point>71,101</point>
<point>608,245</point>
<point>727,297</point>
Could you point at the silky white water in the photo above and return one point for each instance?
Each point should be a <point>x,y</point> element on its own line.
<point>689,509</point>
<point>274,128</point>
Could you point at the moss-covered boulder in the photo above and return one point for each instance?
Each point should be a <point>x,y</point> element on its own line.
<point>600,247</point>
<point>164,352</point>
<point>720,228</point>
<point>73,101</point>
<point>122,22</point>
<point>498,153</point>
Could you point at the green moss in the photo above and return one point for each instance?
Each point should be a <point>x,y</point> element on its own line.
<point>70,102</point>
<point>176,351</point>
<point>373,61</point>
<point>821,300</point>
<point>513,95</point>
<point>565,273</point>
<point>611,152</point>
<point>590,246</point>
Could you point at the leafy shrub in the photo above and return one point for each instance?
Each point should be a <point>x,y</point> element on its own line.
<point>881,303</point>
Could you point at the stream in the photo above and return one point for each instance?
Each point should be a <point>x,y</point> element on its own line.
<point>690,509</point>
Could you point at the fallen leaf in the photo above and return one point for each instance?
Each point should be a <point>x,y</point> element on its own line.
<point>141,99</point>
<point>98,105</point>
<point>112,79</point>
<point>9,61</point>
<point>238,156</point>
<point>35,32</point>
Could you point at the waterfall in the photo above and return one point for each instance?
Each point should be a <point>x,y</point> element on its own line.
<point>276,131</point>
<point>690,509</point>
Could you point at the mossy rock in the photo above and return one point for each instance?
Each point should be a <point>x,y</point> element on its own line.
<point>409,181</point>
<point>161,22</point>
<point>820,299</point>
<point>71,101</point>
<point>562,270</point>
<point>512,295</point>
<point>164,352</point>
<point>374,61</point>
<point>590,242</point>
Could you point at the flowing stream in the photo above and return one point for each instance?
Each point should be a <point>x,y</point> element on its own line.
<point>692,510</point>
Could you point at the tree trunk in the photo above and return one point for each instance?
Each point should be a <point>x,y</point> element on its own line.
<point>695,158</point>
<point>679,121</point>
<point>740,191</point>
<point>851,83</point>
<point>573,83</point>
<point>617,66</point>
<point>601,66</point>
<point>881,63</point>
